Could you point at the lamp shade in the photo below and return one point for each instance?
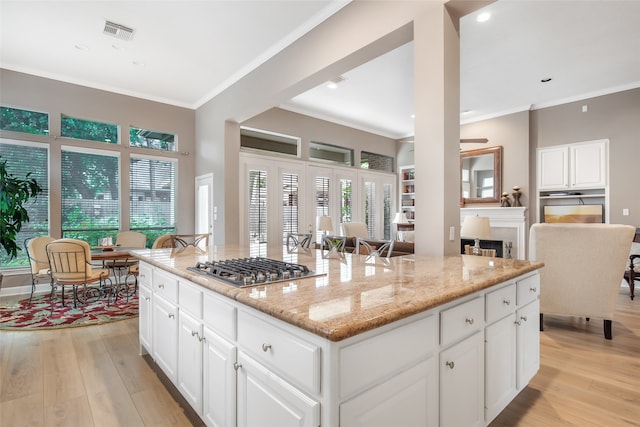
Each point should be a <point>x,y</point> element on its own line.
<point>400,218</point>
<point>324,223</point>
<point>476,227</point>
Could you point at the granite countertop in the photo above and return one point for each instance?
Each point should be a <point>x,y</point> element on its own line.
<point>354,294</point>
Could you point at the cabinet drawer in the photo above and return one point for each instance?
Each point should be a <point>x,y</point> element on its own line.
<point>500,303</point>
<point>165,285</point>
<point>461,320</point>
<point>219,315</point>
<point>528,289</point>
<point>145,275</point>
<point>288,355</point>
<point>190,298</point>
<point>394,351</point>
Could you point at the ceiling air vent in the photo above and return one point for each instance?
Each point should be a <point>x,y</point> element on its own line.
<point>118,31</point>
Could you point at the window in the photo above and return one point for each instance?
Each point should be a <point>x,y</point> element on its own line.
<point>72,127</point>
<point>23,158</point>
<point>257,206</point>
<point>90,194</point>
<point>321,201</point>
<point>289,204</point>
<point>151,139</point>
<point>376,162</point>
<point>370,207</point>
<point>328,153</point>
<point>254,139</point>
<point>26,121</point>
<point>346,187</point>
<point>388,203</point>
<point>152,193</point>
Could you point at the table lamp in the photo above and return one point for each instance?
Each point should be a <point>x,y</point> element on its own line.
<point>400,218</point>
<point>324,224</point>
<point>476,227</point>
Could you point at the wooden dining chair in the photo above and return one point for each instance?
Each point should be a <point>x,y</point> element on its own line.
<point>70,266</point>
<point>127,268</point>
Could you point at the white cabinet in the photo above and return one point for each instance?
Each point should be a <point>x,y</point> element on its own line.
<point>528,347</point>
<point>190,336</point>
<point>574,166</point>
<point>145,319</point>
<point>219,381</point>
<point>165,336</point>
<point>266,400</point>
<point>406,399</point>
<point>500,369</point>
<point>462,383</point>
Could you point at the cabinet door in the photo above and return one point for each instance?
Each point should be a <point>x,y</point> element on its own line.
<point>219,375</point>
<point>462,383</point>
<point>528,349</point>
<point>407,399</point>
<point>145,319</point>
<point>553,168</point>
<point>500,365</point>
<point>266,400</point>
<point>190,360</point>
<point>165,337</point>
<point>588,165</point>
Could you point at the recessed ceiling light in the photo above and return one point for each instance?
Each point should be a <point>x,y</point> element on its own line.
<point>546,80</point>
<point>483,17</point>
<point>82,47</point>
<point>333,83</point>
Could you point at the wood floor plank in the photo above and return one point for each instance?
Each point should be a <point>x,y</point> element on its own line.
<point>23,411</point>
<point>69,413</point>
<point>24,373</point>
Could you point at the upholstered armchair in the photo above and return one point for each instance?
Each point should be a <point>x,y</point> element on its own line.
<point>355,229</point>
<point>583,268</point>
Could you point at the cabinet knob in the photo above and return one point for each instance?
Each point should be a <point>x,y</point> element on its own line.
<point>142,276</point>
<point>506,301</point>
<point>195,334</point>
<point>147,298</point>
<point>237,365</point>
<point>172,316</point>
<point>517,323</point>
<point>266,347</point>
<point>469,320</point>
<point>160,286</point>
<point>202,339</point>
<point>450,364</point>
<point>524,318</point>
<point>533,289</point>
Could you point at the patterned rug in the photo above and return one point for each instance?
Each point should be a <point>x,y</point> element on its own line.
<point>37,316</point>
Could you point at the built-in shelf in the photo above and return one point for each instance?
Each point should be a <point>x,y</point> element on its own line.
<point>574,196</point>
<point>407,191</point>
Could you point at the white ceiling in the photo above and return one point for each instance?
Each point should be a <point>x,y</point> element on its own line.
<point>188,51</point>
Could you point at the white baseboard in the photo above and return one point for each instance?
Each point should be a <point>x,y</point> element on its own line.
<point>25,290</point>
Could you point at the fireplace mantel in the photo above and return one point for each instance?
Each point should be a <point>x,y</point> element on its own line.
<point>507,218</point>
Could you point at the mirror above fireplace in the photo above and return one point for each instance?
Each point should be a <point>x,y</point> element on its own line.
<point>481,175</point>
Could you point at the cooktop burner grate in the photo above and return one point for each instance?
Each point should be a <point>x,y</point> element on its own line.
<point>242,272</point>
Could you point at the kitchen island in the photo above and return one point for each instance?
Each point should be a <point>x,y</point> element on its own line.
<point>367,341</point>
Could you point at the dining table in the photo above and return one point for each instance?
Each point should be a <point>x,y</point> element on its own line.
<point>123,266</point>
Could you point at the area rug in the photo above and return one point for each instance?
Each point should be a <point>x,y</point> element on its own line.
<point>20,316</point>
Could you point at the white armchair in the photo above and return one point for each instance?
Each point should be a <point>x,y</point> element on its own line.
<point>355,229</point>
<point>583,268</point>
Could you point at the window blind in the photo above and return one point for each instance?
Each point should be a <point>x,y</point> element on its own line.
<point>370,207</point>
<point>258,214</point>
<point>90,194</point>
<point>22,159</point>
<point>152,193</point>
<point>289,204</point>
<point>345,200</point>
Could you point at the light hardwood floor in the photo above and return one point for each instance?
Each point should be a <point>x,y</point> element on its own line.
<point>93,376</point>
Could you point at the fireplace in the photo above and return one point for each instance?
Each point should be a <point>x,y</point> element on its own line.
<point>508,226</point>
<point>484,244</point>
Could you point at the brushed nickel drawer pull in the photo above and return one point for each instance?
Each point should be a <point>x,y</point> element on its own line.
<point>171,315</point>
<point>533,289</point>
<point>523,318</point>
<point>506,301</point>
<point>266,347</point>
<point>469,320</point>
<point>450,364</point>
<point>237,365</point>
<point>161,286</point>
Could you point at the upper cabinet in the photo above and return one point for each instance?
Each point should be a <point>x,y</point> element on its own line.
<point>574,166</point>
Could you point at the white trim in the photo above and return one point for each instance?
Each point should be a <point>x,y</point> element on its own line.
<point>504,218</point>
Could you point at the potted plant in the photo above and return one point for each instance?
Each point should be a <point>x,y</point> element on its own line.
<point>15,192</point>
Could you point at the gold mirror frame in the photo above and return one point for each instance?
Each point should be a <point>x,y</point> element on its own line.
<point>496,152</point>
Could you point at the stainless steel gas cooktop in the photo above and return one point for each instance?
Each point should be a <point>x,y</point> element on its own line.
<point>242,272</point>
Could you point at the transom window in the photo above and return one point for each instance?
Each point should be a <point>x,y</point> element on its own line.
<point>151,139</point>
<point>73,127</point>
<point>17,120</point>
